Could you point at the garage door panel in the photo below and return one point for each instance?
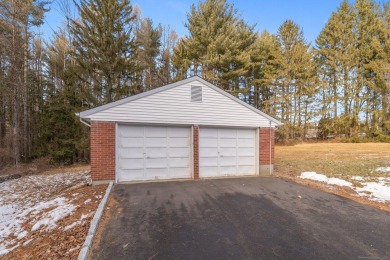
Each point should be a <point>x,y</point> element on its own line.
<point>208,161</point>
<point>208,142</point>
<point>245,133</point>
<point>178,162</point>
<point>245,142</point>
<point>227,133</point>
<point>227,142</point>
<point>209,132</point>
<point>179,152</point>
<point>208,171</point>
<point>131,142</point>
<point>208,151</point>
<point>156,173</point>
<point>246,152</point>
<point>136,175</point>
<point>131,131</point>
<point>178,142</point>
<point>155,131</point>
<point>153,152</point>
<point>179,171</point>
<point>228,170</point>
<point>131,164</point>
<point>156,152</point>
<point>155,142</point>
<point>227,161</point>
<point>242,160</point>
<point>177,132</point>
<point>227,152</point>
<point>131,152</point>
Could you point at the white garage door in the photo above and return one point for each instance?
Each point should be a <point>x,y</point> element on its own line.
<point>153,152</point>
<point>227,152</point>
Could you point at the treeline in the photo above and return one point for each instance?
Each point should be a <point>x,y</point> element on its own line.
<point>108,51</point>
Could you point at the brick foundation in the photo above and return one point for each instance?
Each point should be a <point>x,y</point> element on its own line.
<point>102,151</point>
<point>196,151</point>
<point>264,150</point>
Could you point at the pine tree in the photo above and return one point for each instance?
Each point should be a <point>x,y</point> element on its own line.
<point>217,47</point>
<point>263,71</point>
<point>104,49</point>
<point>296,79</point>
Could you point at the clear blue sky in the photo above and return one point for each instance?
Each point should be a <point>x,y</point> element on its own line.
<point>311,15</point>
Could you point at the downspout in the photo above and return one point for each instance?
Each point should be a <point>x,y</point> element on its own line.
<point>270,151</point>
<point>83,121</point>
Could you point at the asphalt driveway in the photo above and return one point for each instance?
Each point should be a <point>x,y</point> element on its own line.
<point>246,218</point>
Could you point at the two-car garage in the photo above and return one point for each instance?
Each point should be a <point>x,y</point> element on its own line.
<point>190,129</point>
<point>166,152</point>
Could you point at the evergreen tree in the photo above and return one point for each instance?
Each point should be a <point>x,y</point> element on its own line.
<point>104,49</point>
<point>217,47</point>
<point>296,79</point>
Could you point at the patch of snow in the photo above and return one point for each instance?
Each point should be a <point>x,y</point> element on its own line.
<point>74,194</point>
<point>379,191</point>
<point>78,222</point>
<point>4,251</point>
<point>87,201</point>
<point>382,169</point>
<point>71,225</point>
<point>22,235</point>
<point>27,242</point>
<point>73,249</point>
<point>376,191</point>
<point>49,219</point>
<point>339,182</point>
<point>26,198</point>
<point>323,178</point>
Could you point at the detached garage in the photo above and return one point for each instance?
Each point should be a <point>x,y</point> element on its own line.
<point>186,130</point>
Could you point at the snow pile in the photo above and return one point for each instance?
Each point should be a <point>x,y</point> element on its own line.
<point>63,208</point>
<point>323,178</point>
<point>31,204</point>
<point>382,169</point>
<point>379,191</point>
<point>376,191</point>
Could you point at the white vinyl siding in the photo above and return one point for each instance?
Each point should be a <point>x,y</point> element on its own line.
<point>153,153</point>
<point>174,106</point>
<point>227,152</point>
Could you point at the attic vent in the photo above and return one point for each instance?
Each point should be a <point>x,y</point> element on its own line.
<point>196,93</point>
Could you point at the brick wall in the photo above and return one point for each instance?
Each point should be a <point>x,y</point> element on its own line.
<point>102,151</point>
<point>196,151</point>
<point>264,145</point>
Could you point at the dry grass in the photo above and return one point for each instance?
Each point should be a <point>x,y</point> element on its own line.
<point>342,160</point>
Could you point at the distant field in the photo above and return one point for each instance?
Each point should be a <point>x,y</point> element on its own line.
<point>342,160</point>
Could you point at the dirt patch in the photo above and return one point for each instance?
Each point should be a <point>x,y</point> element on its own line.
<point>340,160</point>
<point>66,240</point>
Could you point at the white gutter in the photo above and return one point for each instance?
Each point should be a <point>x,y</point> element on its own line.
<point>85,122</point>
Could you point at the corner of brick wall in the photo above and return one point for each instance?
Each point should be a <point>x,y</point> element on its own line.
<point>102,151</point>
<point>196,151</point>
<point>264,145</point>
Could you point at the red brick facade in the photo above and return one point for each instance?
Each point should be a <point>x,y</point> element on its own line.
<point>102,151</point>
<point>264,137</point>
<point>196,151</point>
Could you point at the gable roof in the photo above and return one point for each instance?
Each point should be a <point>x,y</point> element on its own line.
<point>89,112</point>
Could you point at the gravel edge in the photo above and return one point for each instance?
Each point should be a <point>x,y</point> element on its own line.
<point>84,252</point>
